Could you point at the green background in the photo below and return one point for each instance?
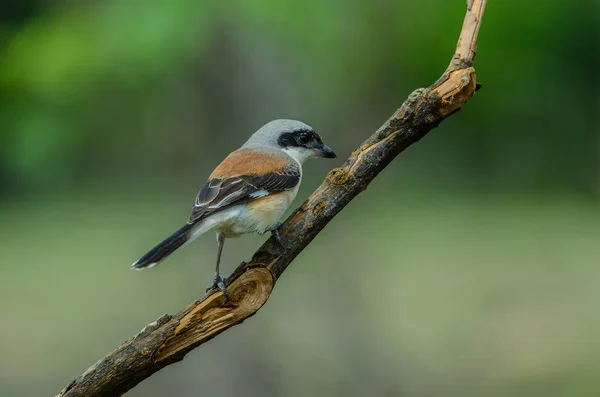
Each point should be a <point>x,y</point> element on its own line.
<point>470,267</point>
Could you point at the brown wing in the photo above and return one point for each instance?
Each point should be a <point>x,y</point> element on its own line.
<point>219,193</point>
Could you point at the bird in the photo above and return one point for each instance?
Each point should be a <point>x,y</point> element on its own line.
<point>248,192</point>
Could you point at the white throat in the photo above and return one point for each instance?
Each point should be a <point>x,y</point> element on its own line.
<point>299,154</point>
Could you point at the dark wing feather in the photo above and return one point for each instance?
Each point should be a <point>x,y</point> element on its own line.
<point>217,194</point>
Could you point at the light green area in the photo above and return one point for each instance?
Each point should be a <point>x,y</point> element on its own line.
<point>421,296</point>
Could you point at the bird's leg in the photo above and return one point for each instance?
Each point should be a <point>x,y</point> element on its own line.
<point>218,280</point>
<point>275,233</point>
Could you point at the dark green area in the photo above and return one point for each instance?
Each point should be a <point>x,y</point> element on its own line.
<point>119,91</point>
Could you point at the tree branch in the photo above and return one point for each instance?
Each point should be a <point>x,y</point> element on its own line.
<point>170,338</point>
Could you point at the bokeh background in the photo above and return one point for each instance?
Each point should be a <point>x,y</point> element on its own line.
<point>470,267</point>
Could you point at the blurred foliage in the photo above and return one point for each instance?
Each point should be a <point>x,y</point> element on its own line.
<point>428,297</point>
<point>105,89</point>
<point>468,268</point>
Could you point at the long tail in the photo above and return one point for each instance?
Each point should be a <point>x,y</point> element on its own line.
<point>169,245</point>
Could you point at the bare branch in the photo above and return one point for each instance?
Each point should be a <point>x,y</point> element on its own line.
<point>466,48</point>
<point>170,338</point>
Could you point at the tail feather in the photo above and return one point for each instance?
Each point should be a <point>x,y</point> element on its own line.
<point>165,248</point>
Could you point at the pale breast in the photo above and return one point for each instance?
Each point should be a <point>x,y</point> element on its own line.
<point>261,215</point>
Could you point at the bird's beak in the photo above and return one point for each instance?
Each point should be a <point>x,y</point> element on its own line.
<point>325,151</point>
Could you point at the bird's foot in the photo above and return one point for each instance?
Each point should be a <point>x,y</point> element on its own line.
<point>219,283</point>
<point>275,234</point>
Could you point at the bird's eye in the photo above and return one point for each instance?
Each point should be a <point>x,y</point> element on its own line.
<point>304,139</point>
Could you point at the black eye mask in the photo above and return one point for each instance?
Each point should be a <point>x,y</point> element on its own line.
<point>301,138</point>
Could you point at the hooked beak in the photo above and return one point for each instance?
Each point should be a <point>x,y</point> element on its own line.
<point>325,151</point>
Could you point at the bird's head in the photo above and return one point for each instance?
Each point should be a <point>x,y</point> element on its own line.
<point>294,137</point>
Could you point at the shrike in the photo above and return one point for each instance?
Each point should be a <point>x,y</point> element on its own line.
<point>249,191</point>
